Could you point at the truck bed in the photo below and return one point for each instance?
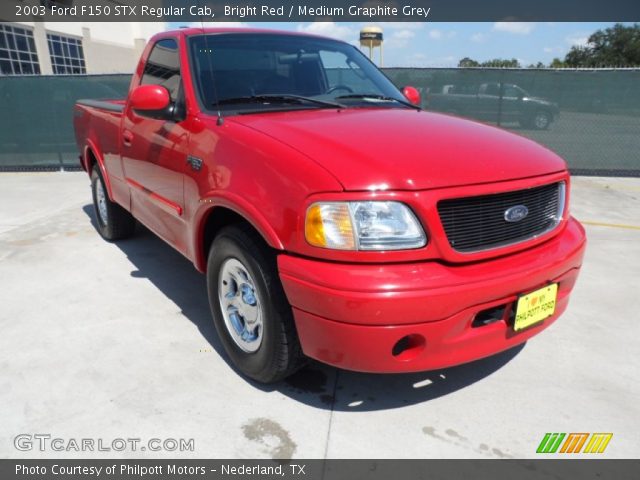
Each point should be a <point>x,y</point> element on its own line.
<point>97,123</point>
<point>109,105</point>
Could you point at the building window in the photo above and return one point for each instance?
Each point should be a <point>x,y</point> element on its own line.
<point>18,54</point>
<point>67,55</point>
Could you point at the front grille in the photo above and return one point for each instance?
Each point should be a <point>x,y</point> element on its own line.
<point>478,223</point>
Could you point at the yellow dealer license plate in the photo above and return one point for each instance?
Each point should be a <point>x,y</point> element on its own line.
<point>535,306</point>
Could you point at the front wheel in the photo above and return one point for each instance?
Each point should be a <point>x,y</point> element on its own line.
<point>250,310</point>
<point>113,221</point>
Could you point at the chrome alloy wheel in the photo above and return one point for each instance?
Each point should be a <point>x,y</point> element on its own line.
<point>240,305</point>
<point>101,200</point>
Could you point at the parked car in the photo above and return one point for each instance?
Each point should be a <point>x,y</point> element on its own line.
<point>333,218</point>
<point>496,102</point>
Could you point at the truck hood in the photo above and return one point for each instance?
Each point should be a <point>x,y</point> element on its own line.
<point>401,149</point>
<point>540,100</point>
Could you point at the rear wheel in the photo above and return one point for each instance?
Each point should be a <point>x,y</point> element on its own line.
<point>113,221</point>
<point>541,120</point>
<point>250,310</point>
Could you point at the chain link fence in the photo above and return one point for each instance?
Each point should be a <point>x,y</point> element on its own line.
<point>590,117</point>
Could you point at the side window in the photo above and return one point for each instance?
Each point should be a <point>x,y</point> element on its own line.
<point>334,67</point>
<point>510,91</point>
<point>341,72</point>
<point>163,67</point>
<point>492,89</point>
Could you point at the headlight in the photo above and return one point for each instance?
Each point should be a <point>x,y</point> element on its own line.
<point>363,226</point>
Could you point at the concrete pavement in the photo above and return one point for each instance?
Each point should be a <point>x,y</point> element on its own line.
<point>107,341</point>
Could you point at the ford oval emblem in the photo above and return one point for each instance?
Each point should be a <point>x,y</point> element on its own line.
<point>516,213</point>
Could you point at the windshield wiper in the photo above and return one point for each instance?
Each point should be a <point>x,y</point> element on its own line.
<point>279,98</point>
<point>376,96</point>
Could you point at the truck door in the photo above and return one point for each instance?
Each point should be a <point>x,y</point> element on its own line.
<point>511,103</point>
<point>488,102</point>
<point>154,152</point>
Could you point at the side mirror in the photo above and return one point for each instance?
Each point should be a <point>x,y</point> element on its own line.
<point>152,101</point>
<point>412,94</point>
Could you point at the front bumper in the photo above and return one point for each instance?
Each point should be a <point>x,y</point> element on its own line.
<point>419,316</point>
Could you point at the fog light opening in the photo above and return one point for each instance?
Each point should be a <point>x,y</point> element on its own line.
<point>488,316</point>
<point>408,347</point>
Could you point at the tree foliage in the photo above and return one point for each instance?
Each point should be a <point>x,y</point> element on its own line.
<point>501,63</point>
<point>468,62</point>
<point>557,63</point>
<point>617,46</point>
<point>495,63</point>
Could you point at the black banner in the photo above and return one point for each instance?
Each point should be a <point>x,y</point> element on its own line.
<point>320,469</point>
<point>318,10</point>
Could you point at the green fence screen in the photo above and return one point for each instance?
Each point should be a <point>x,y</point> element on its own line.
<point>36,129</point>
<point>589,117</point>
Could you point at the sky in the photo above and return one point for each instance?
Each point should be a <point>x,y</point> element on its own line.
<point>425,44</point>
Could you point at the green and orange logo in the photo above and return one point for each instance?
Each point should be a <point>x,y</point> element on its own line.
<point>573,443</point>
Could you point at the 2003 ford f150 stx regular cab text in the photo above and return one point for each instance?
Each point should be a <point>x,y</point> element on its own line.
<point>333,218</point>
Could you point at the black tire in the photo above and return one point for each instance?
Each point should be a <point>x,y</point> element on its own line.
<point>278,354</point>
<point>115,223</point>
<point>541,120</point>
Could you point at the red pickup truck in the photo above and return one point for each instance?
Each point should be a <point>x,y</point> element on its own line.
<point>333,218</point>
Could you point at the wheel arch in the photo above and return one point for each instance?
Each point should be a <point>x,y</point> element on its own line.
<point>217,213</point>
<point>90,159</point>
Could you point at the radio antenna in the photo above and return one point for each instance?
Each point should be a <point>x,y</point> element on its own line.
<point>208,52</point>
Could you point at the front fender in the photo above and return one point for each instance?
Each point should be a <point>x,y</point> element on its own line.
<point>237,204</point>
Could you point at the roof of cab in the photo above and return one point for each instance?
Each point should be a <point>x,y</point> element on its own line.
<point>191,31</point>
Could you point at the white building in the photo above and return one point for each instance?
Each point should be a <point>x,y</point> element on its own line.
<point>58,48</point>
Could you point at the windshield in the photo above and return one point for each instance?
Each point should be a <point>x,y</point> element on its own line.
<point>254,72</point>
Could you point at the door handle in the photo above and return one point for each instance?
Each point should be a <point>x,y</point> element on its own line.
<point>127,138</point>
